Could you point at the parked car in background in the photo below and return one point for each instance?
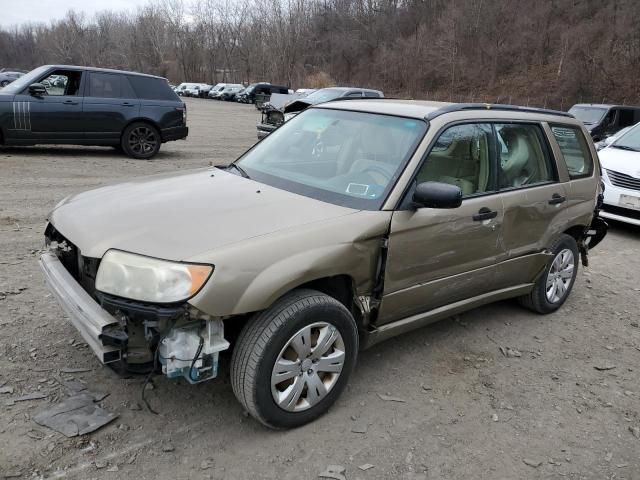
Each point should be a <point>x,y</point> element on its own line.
<point>194,89</point>
<point>7,77</point>
<point>260,92</point>
<point>354,222</point>
<point>218,90</point>
<point>603,120</point>
<point>229,94</point>
<point>303,92</point>
<point>180,89</point>
<point>203,91</point>
<point>131,111</point>
<point>621,175</point>
<point>272,118</point>
<point>609,140</point>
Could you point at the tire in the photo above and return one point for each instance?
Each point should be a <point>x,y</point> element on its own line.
<point>547,295</point>
<point>4,83</point>
<point>141,140</point>
<point>270,337</point>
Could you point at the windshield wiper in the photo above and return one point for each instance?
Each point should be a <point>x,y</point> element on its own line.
<point>240,169</point>
<point>625,147</point>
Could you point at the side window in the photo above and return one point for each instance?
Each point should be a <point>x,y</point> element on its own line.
<point>104,85</point>
<point>626,118</point>
<point>152,88</point>
<point>523,156</point>
<point>62,82</point>
<point>372,94</point>
<point>610,118</point>
<point>354,94</point>
<point>461,156</point>
<point>575,150</point>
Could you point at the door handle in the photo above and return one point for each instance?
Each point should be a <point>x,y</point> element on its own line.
<point>557,199</point>
<point>69,102</point>
<point>485,214</point>
<point>127,104</point>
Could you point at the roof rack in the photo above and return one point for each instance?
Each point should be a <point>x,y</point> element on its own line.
<point>457,107</point>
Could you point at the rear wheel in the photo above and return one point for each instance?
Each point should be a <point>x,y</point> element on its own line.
<point>553,287</point>
<point>141,140</point>
<point>292,361</point>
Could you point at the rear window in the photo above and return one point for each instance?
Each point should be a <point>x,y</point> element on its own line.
<point>575,150</point>
<point>150,88</point>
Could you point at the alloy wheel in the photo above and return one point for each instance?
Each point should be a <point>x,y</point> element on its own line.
<point>560,275</point>
<point>308,367</point>
<point>142,140</point>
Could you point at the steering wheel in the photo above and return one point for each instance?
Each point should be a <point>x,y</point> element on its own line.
<point>379,170</point>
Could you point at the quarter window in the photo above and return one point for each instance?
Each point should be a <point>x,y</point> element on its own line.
<point>523,157</point>
<point>462,157</point>
<point>574,149</point>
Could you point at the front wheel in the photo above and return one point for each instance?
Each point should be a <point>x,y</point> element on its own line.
<point>292,361</point>
<point>553,287</point>
<point>141,140</point>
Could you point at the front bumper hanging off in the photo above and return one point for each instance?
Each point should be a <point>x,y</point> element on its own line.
<point>83,311</point>
<point>188,347</point>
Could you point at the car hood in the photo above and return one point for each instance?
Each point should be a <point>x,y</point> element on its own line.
<point>623,161</point>
<point>178,216</point>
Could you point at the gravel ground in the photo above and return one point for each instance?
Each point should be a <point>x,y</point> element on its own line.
<point>468,411</point>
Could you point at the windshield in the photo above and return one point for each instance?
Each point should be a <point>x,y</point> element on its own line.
<point>324,95</point>
<point>24,81</point>
<point>588,114</point>
<point>346,158</point>
<point>630,140</point>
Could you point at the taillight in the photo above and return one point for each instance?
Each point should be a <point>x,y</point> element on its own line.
<point>183,109</point>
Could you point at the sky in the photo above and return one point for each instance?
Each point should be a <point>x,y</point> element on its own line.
<point>15,12</point>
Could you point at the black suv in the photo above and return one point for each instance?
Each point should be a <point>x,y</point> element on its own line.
<point>59,104</point>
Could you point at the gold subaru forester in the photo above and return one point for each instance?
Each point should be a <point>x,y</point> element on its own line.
<point>353,222</point>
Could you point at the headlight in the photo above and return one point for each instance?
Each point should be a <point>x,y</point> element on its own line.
<point>149,279</point>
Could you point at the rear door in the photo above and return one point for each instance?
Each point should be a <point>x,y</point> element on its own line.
<point>109,104</point>
<point>534,198</point>
<point>55,116</point>
<point>440,256</point>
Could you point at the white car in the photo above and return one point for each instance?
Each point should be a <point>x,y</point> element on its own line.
<point>193,90</point>
<point>621,175</point>
<point>180,89</point>
<point>609,140</point>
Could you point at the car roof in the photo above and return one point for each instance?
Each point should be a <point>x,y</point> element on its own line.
<point>604,105</point>
<point>428,110</point>
<point>104,70</point>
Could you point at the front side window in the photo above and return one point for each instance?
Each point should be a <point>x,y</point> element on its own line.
<point>338,156</point>
<point>523,157</point>
<point>461,156</point>
<point>574,149</point>
<point>62,82</point>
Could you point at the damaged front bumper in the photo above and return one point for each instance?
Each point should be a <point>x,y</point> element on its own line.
<point>83,311</point>
<point>185,342</point>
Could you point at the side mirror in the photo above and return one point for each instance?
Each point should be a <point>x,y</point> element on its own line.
<point>37,89</point>
<point>437,195</point>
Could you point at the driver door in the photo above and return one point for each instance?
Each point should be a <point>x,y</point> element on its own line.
<point>56,116</point>
<point>440,256</point>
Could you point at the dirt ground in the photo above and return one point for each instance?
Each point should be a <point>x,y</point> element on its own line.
<point>469,412</point>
